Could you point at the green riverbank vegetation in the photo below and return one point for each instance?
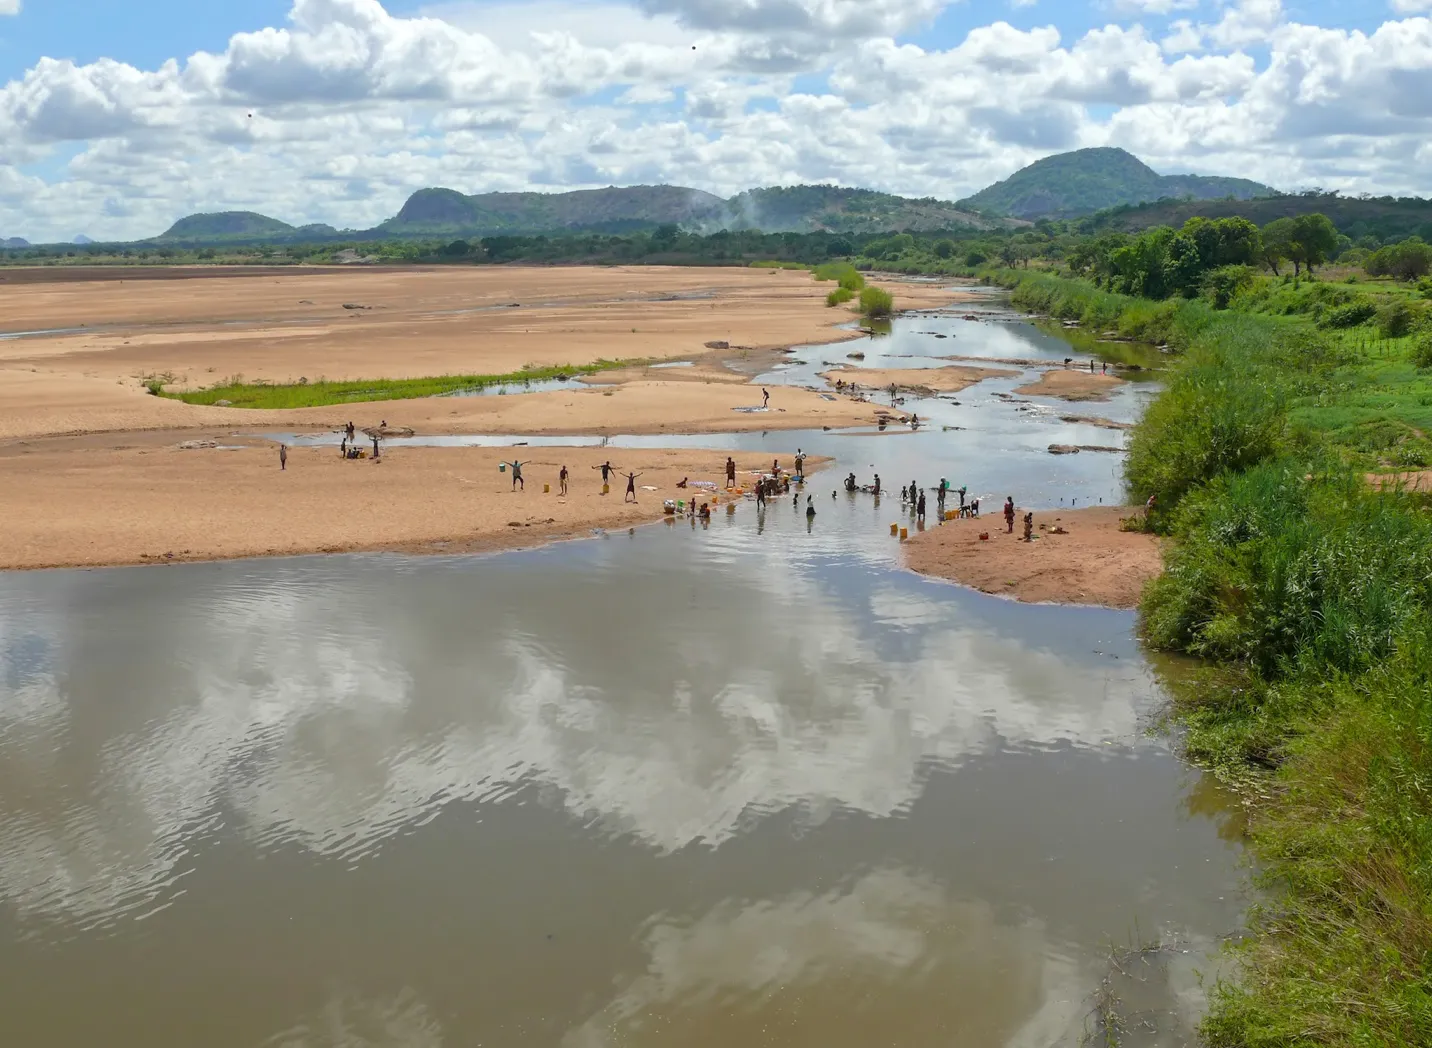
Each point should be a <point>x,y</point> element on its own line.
<point>1299,565</point>
<point>235,392</point>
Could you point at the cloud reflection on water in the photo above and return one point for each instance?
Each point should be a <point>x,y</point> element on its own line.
<point>333,704</point>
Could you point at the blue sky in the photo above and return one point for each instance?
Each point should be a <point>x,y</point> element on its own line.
<point>146,35</point>
<point>335,110</point>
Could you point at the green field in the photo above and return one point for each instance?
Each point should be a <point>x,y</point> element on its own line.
<point>323,393</point>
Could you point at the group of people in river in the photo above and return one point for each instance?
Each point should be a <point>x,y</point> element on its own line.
<point>348,446</point>
<point>768,486</point>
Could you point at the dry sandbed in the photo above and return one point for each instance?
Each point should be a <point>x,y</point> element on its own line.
<point>1095,563</point>
<point>141,499</point>
<point>283,326</point>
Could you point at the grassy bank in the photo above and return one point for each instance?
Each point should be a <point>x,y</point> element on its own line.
<point>323,393</point>
<point>1310,592</point>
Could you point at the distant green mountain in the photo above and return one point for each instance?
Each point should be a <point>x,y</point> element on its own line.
<point>224,224</point>
<point>615,209</point>
<point>432,213</point>
<point>1068,185</point>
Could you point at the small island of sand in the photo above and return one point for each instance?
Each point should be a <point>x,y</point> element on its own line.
<point>1068,384</point>
<point>950,379</point>
<point>1094,563</point>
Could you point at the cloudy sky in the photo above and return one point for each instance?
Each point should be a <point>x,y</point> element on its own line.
<point>116,119</point>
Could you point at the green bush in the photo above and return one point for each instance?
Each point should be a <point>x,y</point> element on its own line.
<point>845,274</point>
<point>1395,319</point>
<point>1422,351</point>
<point>839,296</point>
<point>1282,572</point>
<point>1219,286</point>
<point>1351,315</point>
<point>876,302</point>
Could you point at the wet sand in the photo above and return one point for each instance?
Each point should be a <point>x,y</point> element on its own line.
<point>1095,563</point>
<point>1068,384</point>
<point>141,499</point>
<point>942,380</point>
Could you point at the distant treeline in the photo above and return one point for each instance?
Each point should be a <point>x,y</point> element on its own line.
<point>1159,262</point>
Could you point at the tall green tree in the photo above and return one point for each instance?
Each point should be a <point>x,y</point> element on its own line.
<point>1315,240</point>
<point>1277,243</point>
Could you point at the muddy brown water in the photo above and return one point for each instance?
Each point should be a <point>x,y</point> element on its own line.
<point>746,784</point>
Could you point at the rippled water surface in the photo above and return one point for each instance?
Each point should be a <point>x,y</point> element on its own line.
<point>744,785</point>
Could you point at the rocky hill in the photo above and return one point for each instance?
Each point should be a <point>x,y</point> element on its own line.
<point>433,213</point>
<point>613,210</point>
<point>1068,185</point>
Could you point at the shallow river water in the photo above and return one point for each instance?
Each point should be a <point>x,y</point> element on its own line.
<point>748,784</point>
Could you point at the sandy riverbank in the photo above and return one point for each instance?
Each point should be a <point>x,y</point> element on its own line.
<point>282,326</point>
<point>141,499</point>
<point>90,471</point>
<point>1095,563</point>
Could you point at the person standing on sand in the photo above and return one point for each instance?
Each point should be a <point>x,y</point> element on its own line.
<point>765,397</point>
<point>606,468</point>
<point>343,448</point>
<point>1009,513</point>
<point>562,480</point>
<point>375,449</point>
<point>730,472</point>
<point>517,474</point>
<point>283,456</point>
<point>631,486</point>
<point>963,489</point>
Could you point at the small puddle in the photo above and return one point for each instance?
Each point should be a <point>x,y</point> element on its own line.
<point>10,336</point>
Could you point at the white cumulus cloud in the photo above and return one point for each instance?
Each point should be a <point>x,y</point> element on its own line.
<point>343,110</point>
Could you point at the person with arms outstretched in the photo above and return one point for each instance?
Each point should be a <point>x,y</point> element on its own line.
<point>517,474</point>
<point>631,487</point>
<point>607,469</point>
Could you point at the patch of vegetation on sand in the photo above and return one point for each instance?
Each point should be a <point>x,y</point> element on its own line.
<point>235,392</point>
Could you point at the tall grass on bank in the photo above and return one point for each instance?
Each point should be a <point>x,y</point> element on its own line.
<point>876,302</point>
<point>843,273</point>
<point>323,393</point>
<point>1311,592</point>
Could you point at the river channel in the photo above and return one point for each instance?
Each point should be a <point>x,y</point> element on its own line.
<point>745,784</point>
